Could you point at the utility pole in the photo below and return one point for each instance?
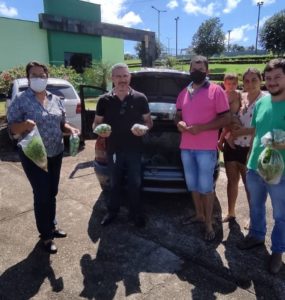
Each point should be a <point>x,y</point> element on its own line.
<point>176,27</point>
<point>158,21</point>
<point>229,36</point>
<point>259,4</point>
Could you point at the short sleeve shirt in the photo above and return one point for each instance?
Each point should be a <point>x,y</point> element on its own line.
<point>201,107</point>
<point>267,115</point>
<point>49,118</point>
<point>121,116</point>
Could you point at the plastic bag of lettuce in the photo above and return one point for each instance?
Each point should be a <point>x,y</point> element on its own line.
<point>270,164</point>
<point>33,147</point>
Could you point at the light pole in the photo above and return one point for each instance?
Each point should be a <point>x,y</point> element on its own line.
<point>229,36</point>
<point>176,23</point>
<point>158,21</point>
<point>259,4</point>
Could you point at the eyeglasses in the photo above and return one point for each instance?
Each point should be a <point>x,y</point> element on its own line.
<point>123,107</point>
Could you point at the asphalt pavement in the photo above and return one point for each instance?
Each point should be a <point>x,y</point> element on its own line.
<point>165,260</point>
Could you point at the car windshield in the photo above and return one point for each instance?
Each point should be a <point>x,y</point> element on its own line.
<point>62,91</point>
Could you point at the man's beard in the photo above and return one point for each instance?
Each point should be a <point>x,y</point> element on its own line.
<point>276,93</point>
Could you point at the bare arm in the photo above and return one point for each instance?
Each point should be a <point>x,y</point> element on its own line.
<point>148,120</point>
<point>22,127</point>
<point>242,131</point>
<point>219,122</point>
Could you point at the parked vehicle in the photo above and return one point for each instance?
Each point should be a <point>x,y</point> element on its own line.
<point>57,86</point>
<point>162,166</point>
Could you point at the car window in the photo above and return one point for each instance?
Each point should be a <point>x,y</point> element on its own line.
<point>62,91</point>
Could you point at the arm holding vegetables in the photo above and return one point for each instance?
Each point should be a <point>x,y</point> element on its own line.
<point>69,129</point>
<point>22,127</point>
<point>105,132</point>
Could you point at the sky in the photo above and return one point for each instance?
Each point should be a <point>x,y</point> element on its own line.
<point>237,16</point>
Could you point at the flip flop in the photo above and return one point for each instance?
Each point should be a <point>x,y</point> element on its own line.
<point>210,235</point>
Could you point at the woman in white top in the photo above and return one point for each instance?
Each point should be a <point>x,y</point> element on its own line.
<point>235,157</point>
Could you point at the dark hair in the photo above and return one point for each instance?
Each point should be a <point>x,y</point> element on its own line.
<point>254,71</point>
<point>199,59</point>
<point>35,64</point>
<point>231,76</point>
<point>276,63</point>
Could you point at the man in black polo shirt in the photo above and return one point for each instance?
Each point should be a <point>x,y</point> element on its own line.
<point>122,108</point>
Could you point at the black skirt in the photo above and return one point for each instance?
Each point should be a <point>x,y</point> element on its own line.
<point>239,154</point>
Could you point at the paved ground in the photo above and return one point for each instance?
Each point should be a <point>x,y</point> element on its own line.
<point>163,261</point>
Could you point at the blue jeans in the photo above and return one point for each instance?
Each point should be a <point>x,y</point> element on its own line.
<point>125,165</point>
<point>45,188</point>
<point>199,167</point>
<point>258,190</point>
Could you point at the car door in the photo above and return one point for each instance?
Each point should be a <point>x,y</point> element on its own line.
<point>89,96</point>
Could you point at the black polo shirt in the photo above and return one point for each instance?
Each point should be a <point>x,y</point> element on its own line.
<point>121,116</point>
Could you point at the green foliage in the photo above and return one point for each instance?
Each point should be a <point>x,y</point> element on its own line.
<point>272,34</point>
<point>7,76</point>
<point>67,73</point>
<point>98,74</point>
<point>170,62</point>
<point>141,51</point>
<point>209,39</point>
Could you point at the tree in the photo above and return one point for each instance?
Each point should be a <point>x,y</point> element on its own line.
<point>141,51</point>
<point>209,38</point>
<point>237,48</point>
<point>272,34</point>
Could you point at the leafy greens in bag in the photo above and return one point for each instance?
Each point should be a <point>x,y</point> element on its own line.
<point>33,147</point>
<point>270,164</point>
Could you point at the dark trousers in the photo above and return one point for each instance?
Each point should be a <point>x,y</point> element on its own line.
<point>125,165</point>
<point>45,188</point>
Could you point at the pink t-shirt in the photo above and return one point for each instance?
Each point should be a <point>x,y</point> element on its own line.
<point>201,107</point>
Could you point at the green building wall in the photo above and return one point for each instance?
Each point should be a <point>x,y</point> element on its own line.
<point>112,50</point>
<point>21,42</point>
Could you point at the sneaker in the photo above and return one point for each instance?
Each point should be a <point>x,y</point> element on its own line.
<point>249,242</point>
<point>275,263</point>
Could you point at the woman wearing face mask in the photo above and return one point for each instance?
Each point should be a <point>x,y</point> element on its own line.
<point>38,107</point>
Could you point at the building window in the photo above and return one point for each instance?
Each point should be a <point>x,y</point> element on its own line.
<point>78,61</point>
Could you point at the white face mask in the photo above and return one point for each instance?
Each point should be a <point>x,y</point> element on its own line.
<point>38,84</point>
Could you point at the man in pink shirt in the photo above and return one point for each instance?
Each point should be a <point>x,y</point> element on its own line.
<point>202,109</point>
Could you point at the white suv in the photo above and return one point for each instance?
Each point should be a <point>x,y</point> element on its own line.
<point>59,87</point>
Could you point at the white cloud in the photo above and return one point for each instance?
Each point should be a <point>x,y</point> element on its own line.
<point>172,4</point>
<point>7,11</point>
<point>230,5</point>
<point>192,7</point>
<point>238,34</point>
<point>265,2</point>
<point>263,20</point>
<point>115,12</point>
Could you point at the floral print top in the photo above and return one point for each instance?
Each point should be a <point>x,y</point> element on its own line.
<point>245,116</point>
<point>49,118</point>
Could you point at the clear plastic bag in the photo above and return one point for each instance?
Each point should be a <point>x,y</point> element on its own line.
<point>270,165</point>
<point>73,144</point>
<point>33,147</point>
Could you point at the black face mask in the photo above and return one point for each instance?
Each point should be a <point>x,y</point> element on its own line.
<point>197,76</point>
